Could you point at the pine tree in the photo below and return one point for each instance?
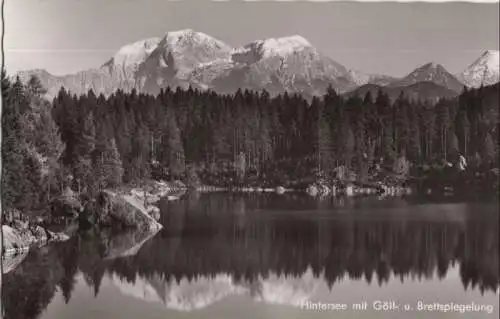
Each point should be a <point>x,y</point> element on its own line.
<point>13,173</point>
<point>264,143</point>
<point>384,112</point>
<point>349,146</point>
<point>453,147</point>
<point>109,170</point>
<point>43,136</point>
<point>140,167</point>
<point>323,144</point>
<point>32,183</point>
<point>428,130</point>
<point>220,142</point>
<point>443,124</point>
<point>413,147</point>
<point>35,88</point>
<point>176,159</point>
<point>65,116</point>
<point>401,126</point>
<point>488,150</point>
<point>82,165</point>
<point>462,126</point>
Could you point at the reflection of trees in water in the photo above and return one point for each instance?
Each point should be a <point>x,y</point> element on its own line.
<point>27,290</point>
<point>227,240</point>
<point>227,235</point>
<point>68,253</point>
<point>479,256</point>
<point>372,250</point>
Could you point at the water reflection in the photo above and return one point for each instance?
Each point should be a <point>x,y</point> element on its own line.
<point>276,250</point>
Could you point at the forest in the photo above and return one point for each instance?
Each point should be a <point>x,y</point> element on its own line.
<point>92,142</point>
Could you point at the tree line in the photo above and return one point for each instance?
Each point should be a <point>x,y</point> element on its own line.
<point>90,142</point>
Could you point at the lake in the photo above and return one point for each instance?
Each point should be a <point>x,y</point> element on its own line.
<point>273,256</point>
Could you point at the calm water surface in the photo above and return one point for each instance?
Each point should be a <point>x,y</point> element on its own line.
<point>265,256</point>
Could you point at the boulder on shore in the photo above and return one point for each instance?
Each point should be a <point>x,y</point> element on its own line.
<point>135,208</point>
<point>66,206</point>
<point>123,210</point>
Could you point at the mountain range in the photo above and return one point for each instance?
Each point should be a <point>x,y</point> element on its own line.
<point>186,58</point>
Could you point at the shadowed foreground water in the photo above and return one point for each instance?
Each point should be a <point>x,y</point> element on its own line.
<point>265,256</point>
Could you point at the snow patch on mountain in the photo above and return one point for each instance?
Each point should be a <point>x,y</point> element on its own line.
<point>283,46</point>
<point>274,47</point>
<point>484,71</point>
<point>180,38</point>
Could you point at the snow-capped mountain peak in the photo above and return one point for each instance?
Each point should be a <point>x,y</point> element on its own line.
<point>293,42</point>
<point>177,56</point>
<point>135,53</point>
<point>484,71</point>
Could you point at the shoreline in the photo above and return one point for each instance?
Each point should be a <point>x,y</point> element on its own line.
<point>137,204</point>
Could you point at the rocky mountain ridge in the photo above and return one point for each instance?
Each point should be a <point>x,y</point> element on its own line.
<point>186,58</point>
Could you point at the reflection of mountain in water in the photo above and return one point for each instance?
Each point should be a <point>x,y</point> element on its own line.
<point>185,295</point>
<point>273,249</point>
<point>188,295</point>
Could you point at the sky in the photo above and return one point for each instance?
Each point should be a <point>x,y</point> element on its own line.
<point>66,36</point>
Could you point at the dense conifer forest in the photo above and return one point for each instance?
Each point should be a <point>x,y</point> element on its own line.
<point>92,142</point>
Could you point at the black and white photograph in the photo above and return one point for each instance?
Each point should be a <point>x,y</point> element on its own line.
<point>247,159</point>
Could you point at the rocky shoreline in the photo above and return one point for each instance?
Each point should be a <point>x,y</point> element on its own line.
<point>19,237</point>
<point>319,188</point>
<point>128,208</point>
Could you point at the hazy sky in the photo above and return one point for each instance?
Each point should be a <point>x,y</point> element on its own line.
<point>65,36</point>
